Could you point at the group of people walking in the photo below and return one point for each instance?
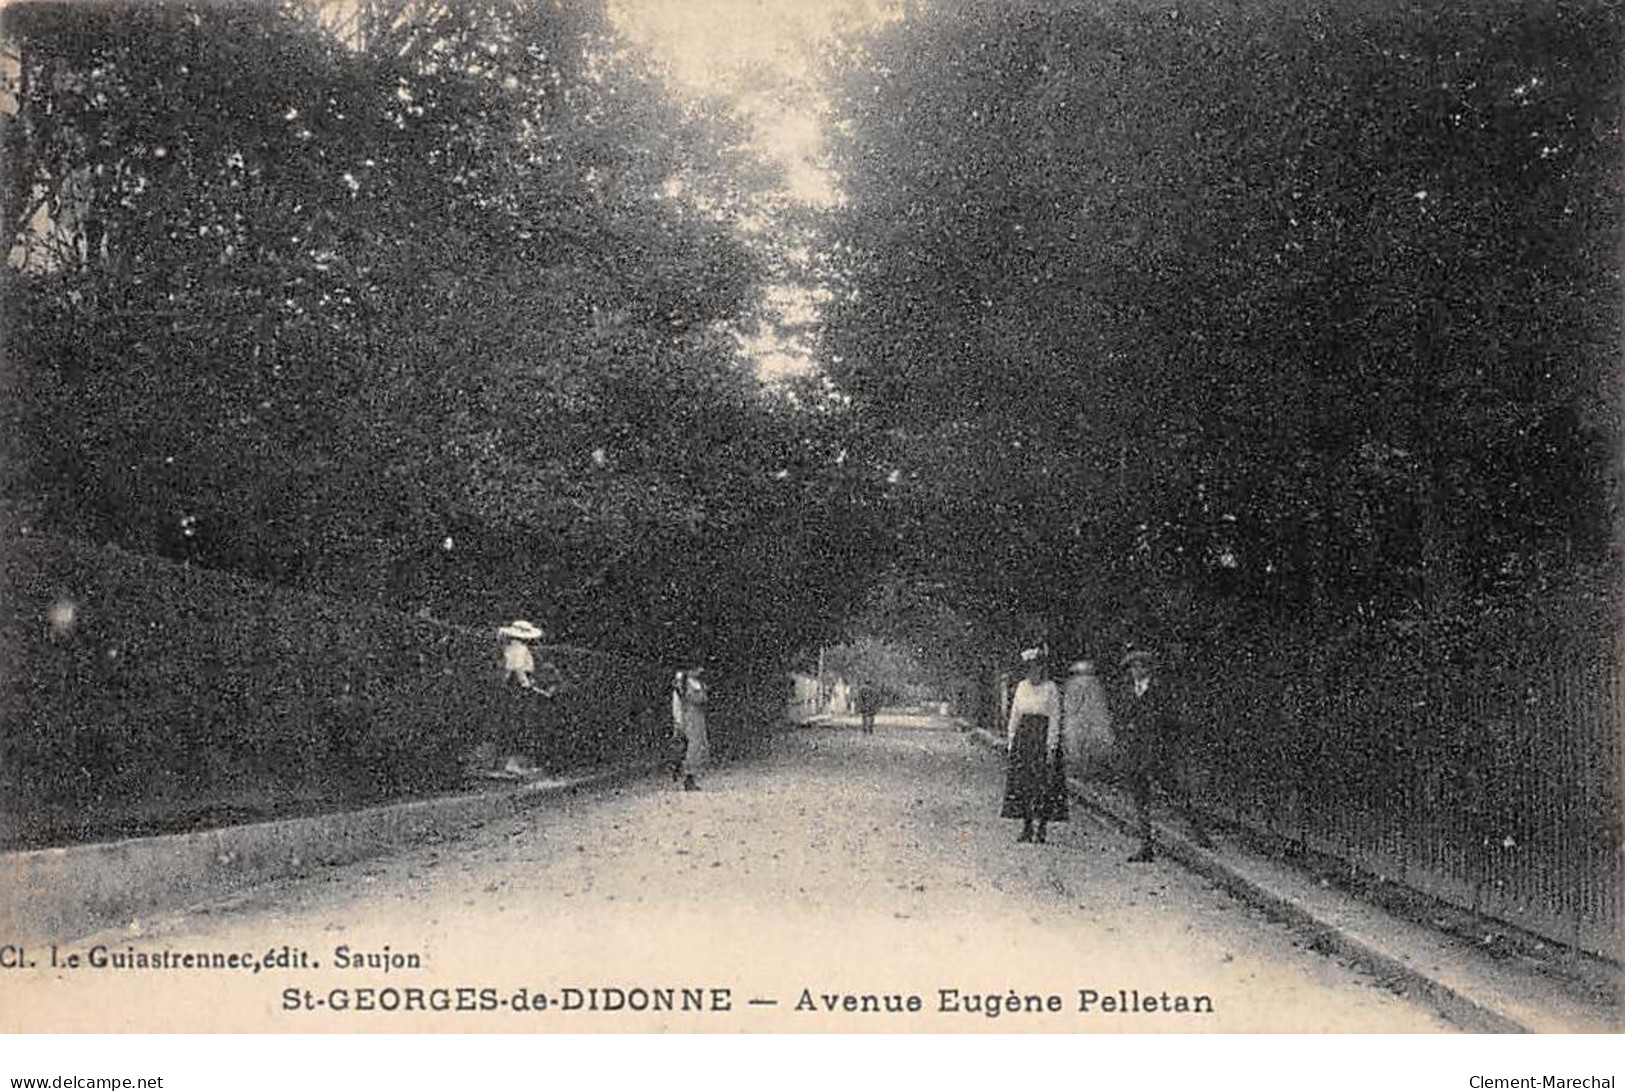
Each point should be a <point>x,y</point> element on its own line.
<point>1054,728</point>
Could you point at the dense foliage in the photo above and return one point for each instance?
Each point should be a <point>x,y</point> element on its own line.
<point>1259,308</point>
<point>438,311</point>
<point>180,697</point>
<point>912,639</point>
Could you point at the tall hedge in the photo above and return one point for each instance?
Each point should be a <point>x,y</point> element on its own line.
<point>181,696</point>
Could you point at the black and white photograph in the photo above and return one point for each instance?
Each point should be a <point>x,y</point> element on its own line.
<point>861,517</point>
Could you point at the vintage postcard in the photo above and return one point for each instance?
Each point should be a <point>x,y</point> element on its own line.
<point>879,516</point>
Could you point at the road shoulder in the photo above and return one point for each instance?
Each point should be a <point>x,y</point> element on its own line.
<point>80,889</point>
<point>1473,989</point>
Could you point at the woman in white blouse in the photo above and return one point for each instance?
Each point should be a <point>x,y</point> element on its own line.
<point>1035,786</point>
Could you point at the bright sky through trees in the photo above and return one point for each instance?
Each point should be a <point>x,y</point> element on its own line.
<point>763,58</point>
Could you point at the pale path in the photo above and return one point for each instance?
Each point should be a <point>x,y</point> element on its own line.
<point>840,863</point>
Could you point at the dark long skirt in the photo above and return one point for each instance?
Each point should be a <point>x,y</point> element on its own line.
<point>1035,786</point>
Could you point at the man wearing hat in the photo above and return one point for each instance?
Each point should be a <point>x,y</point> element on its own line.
<point>1149,733</point>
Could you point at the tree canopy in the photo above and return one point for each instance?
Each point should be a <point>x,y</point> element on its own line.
<point>438,307</point>
<point>1272,305</point>
<point>1128,309</point>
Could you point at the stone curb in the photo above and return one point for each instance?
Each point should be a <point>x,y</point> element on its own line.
<point>62,893</point>
<point>1323,935</point>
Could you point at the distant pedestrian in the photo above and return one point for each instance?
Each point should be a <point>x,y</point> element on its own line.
<point>688,699</point>
<point>1150,726</point>
<point>869,700</point>
<point>1035,783</point>
<point>1086,721</point>
<point>840,698</point>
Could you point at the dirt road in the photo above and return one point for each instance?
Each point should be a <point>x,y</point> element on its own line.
<point>843,876</point>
